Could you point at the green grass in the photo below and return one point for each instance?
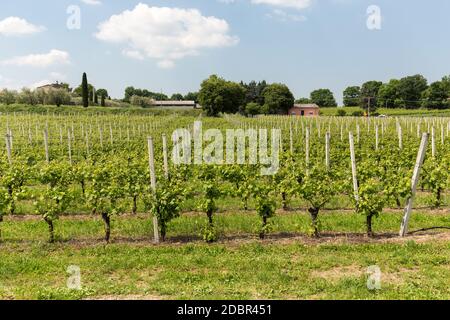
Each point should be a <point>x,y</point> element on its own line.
<point>239,266</point>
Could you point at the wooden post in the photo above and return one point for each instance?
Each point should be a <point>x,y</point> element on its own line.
<point>291,140</point>
<point>151,160</point>
<point>69,144</point>
<point>165,156</point>
<point>414,183</point>
<point>433,143</point>
<point>8,148</point>
<point>377,142</point>
<point>101,137</point>
<point>111,134</point>
<point>47,156</point>
<point>327,150</point>
<point>358,133</point>
<point>307,148</point>
<point>354,172</point>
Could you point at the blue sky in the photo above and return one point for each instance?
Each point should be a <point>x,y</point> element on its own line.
<point>307,44</point>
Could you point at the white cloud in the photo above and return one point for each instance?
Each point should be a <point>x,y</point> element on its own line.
<point>296,4</point>
<point>14,26</point>
<point>58,76</point>
<point>39,60</point>
<point>165,34</point>
<point>39,84</point>
<point>92,2</point>
<point>283,16</point>
<point>133,54</point>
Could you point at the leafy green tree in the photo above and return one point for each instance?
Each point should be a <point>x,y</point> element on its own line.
<point>218,95</point>
<point>323,98</point>
<point>252,109</point>
<point>191,96</point>
<point>58,97</point>
<point>95,97</point>
<point>129,92</point>
<point>7,96</point>
<point>27,96</point>
<point>388,95</point>
<point>254,92</point>
<point>102,101</point>
<point>369,95</point>
<point>278,98</point>
<point>352,96</point>
<point>177,97</point>
<point>102,93</point>
<point>85,91</point>
<point>411,89</point>
<point>436,96</point>
<point>303,101</point>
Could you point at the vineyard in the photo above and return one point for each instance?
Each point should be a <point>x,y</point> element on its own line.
<point>85,180</point>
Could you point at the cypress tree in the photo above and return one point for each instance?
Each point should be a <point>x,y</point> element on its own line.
<point>103,101</point>
<point>85,91</point>
<point>95,97</point>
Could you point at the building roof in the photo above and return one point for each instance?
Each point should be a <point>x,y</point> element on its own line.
<point>52,85</point>
<point>174,103</point>
<point>307,106</point>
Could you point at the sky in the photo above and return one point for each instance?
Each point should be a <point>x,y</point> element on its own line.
<point>172,45</point>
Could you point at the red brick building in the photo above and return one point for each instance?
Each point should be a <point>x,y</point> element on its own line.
<point>305,110</point>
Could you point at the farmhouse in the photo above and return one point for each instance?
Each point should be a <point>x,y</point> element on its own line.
<point>49,87</point>
<point>305,110</point>
<point>176,104</point>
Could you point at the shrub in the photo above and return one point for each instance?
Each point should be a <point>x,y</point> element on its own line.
<point>341,113</point>
<point>141,101</point>
<point>358,113</point>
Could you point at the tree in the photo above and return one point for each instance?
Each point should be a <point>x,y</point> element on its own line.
<point>252,109</point>
<point>102,93</point>
<point>58,97</point>
<point>352,96</point>
<point>303,101</point>
<point>411,89</point>
<point>191,96</point>
<point>103,104</point>
<point>129,92</point>
<point>177,97</point>
<point>254,92</point>
<point>278,98</point>
<point>95,97</point>
<point>323,98</point>
<point>85,91</point>
<point>369,95</point>
<point>388,95</point>
<point>27,96</point>
<point>436,96</point>
<point>7,96</point>
<point>141,101</point>
<point>218,95</point>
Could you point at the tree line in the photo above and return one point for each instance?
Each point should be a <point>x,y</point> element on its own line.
<point>412,92</point>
